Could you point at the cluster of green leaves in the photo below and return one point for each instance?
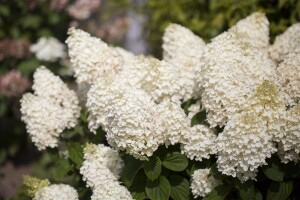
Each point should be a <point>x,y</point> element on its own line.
<point>161,177</point>
<point>208,18</point>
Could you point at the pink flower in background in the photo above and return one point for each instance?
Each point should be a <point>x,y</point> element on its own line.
<point>82,9</point>
<point>13,83</point>
<point>17,48</point>
<point>115,30</point>
<point>58,4</point>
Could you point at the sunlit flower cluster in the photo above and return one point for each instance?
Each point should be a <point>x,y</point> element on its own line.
<point>52,108</point>
<point>100,170</point>
<point>249,90</point>
<point>48,49</point>
<point>203,183</point>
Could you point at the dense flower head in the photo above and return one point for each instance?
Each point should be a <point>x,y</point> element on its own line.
<point>247,139</point>
<point>285,43</point>
<point>140,130</point>
<point>52,108</point>
<point>157,78</point>
<point>111,190</point>
<point>230,69</point>
<point>199,143</point>
<point>56,191</point>
<point>178,40</point>
<point>174,120</point>
<point>48,49</point>
<point>288,77</point>
<point>91,58</point>
<point>100,170</point>
<point>182,49</point>
<point>289,146</point>
<point>104,156</point>
<point>202,183</point>
<point>254,29</point>
<point>32,185</point>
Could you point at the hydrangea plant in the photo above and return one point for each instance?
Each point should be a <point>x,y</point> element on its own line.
<point>213,121</point>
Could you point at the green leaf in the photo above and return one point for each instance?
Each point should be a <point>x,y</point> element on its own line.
<point>27,67</point>
<point>245,190</point>
<point>257,194</point>
<point>198,118</point>
<point>218,193</point>
<point>31,21</point>
<point>137,188</point>
<point>75,151</point>
<point>131,168</point>
<point>175,161</point>
<point>61,169</point>
<point>152,168</point>
<point>4,10</point>
<point>180,187</point>
<point>273,171</point>
<point>280,190</point>
<point>159,189</point>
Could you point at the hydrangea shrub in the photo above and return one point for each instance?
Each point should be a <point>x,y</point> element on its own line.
<point>213,121</point>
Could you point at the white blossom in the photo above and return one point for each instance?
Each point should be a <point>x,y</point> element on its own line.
<point>202,183</point>
<point>52,108</point>
<point>56,191</point>
<point>157,78</point>
<point>140,130</point>
<point>111,190</point>
<point>100,170</point>
<point>199,143</point>
<point>289,146</point>
<point>230,69</point>
<point>101,155</point>
<point>254,29</point>
<point>48,49</point>
<point>247,139</point>
<point>182,49</point>
<point>289,77</point>
<point>91,58</point>
<point>174,120</point>
<point>285,43</point>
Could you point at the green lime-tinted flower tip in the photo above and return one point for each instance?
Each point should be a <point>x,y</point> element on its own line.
<point>32,185</point>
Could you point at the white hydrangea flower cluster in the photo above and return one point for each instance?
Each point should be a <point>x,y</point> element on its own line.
<point>258,22</point>
<point>288,77</point>
<point>102,155</point>
<point>289,146</point>
<point>158,78</point>
<point>52,108</point>
<point>90,57</point>
<point>48,49</point>
<point>202,183</point>
<point>182,49</point>
<point>140,131</point>
<point>100,170</point>
<point>174,120</point>
<point>230,70</point>
<point>56,191</point>
<point>285,43</point>
<point>247,139</point>
<point>200,143</point>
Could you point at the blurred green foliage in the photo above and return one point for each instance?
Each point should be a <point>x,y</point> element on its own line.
<point>208,18</point>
